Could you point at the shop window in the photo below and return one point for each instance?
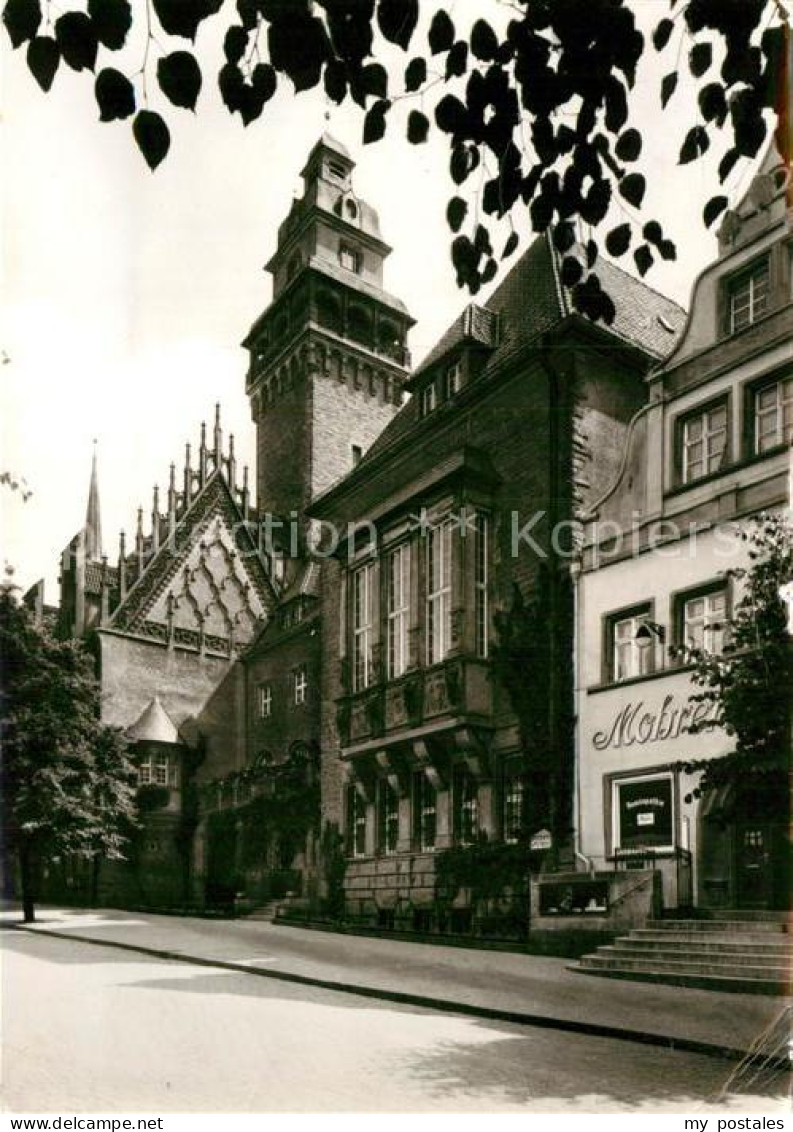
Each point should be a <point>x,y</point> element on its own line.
<point>702,620</point>
<point>629,643</point>
<point>398,610</point>
<point>466,806</point>
<point>439,591</point>
<point>703,442</point>
<point>773,415</point>
<point>387,817</point>
<point>424,812</point>
<point>643,814</point>
<point>748,296</point>
<point>362,626</point>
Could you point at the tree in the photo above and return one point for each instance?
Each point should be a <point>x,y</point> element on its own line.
<point>540,108</point>
<point>68,786</point>
<point>748,684</point>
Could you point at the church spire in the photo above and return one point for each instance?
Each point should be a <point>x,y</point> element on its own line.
<point>93,518</point>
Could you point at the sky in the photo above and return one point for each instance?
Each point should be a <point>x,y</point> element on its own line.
<point>126,293</point>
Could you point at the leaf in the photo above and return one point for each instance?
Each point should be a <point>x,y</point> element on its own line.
<point>112,20</point>
<point>415,74</point>
<point>77,40</point>
<point>152,136</point>
<point>375,80</point>
<point>667,249</point>
<point>653,232</point>
<point>629,145</point>
<point>699,59</point>
<point>511,245</point>
<point>115,95</point>
<point>180,17</point>
<point>374,122</point>
<point>594,205</point>
<point>713,103</point>
<point>643,258</point>
<point>668,87</point>
<point>713,209</point>
<point>299,46</point>
<point>43,58</point>
<point>336,80</point>
<point>618,240</point>
<point>484,41</point>
<point>22,19</point>
<point>264,82</point>
<point>441,33</point>
<point>632,188</point>
<point>248,11</point>
<point>571,271</point>
<point>235,43</point>
<point>455,213</point>
<point>662,34</point>
<point>418,126</point>
<point>450,114</point>
<point>397,20</point>
<point>179,76</point>
<point>727,163</point>
<point>695,144</point>
<point>232,87</point>
<point>563,236</point>
<point>457,59</point>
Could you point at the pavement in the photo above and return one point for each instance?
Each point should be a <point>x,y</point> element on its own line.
<point>506,986</point>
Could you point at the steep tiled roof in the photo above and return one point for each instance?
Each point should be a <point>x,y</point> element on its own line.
<point>531,301</point>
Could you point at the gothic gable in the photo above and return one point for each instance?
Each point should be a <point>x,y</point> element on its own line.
<point>206,586</point>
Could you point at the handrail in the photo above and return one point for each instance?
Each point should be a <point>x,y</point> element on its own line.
<point>649,876</point>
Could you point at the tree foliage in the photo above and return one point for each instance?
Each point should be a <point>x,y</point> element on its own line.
<point>68,786</point>
<point>535,113</point>
<point>750,683</point>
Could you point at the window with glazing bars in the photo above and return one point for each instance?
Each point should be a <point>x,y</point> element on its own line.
<point>704,443</point>
<point>439,591</point>
<point>481,611</point>
<point>630,655</point>
<point>773,415</point>
<point>466,807</point>
<point>362,605</point>
<point>356,822</point>
<point>513,799</point>
<point>387,817</point>
<point>704,621</point>
<point>749,297</point>
<point>398,610</point>
<point>424,811</point>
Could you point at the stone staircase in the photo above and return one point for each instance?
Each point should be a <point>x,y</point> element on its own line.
<point>265,913</point>
<point>748,952</point>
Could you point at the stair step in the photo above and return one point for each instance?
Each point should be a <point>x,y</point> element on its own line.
<point>723,983</point>
<point>763,939</point>
<point>749,915</point>
<point>769,971</point>
<point>761,927</point>
<point>704,954</point>
<point>708,945</point>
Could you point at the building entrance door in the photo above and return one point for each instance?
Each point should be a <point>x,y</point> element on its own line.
<point>754,866</point>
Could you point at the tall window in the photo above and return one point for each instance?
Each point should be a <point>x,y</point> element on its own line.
<point>387,817</point>
<point>424,811</point>
<point>429,399</point>
<point>161,770</point>
<point>356,822</point>
<point>362,606</point>
<point>773,415</point>
<point>481,611</point>
<point>439,591</point>
<point>749,297</point>
<point>144,772</point>
<point>466,806</point>
<point>264,701</point>
<point>703,621</point>
<point>704,443</point>
<point>452,380</point>
<point>513,801</point>
<point>301,685</point>
<point>398,611</point>
<point>631,655</point>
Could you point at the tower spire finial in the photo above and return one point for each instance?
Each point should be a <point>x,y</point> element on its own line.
<point>93,518</point>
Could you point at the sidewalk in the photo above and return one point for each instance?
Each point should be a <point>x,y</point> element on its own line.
<point>531,989</point>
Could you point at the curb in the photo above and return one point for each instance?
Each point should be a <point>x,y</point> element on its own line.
<point>405,998</point>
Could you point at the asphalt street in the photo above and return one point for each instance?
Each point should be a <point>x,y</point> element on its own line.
<point>91,1029</point>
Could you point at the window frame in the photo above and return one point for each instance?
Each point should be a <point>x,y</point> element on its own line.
<point>640,611</point>
<point>300,685</point>
<point>513,777</point>
<point>363,634</point>
<point>438,601</point>
<point>747,275</point>
<point>428,398</point>
<point>648,775</point>
<point>357,821</point>
<point>397,616</point>
<point>352,254</point>
<point>264,700</point>
<point>755,392</point>
<point>452,380</point>
<point>387,818</point>
<point>684,597</point>
<point>481,581</point>
<point>424,792</point>
<point>465,806</point>
<point>699,412</point>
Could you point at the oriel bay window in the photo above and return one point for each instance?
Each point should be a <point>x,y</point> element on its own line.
<point>362,628</point>
<point>424,812</point>
<point>398,610</point>
<point>439,591</point>
<point>773,415</point>
<point>387,817</point>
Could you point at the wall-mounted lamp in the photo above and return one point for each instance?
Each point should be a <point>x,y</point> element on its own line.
<point>649,630</point>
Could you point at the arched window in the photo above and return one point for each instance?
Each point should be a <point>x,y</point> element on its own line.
<point>329,310</point>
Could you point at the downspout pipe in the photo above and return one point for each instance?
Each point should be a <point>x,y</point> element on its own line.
<point>578,610</point>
